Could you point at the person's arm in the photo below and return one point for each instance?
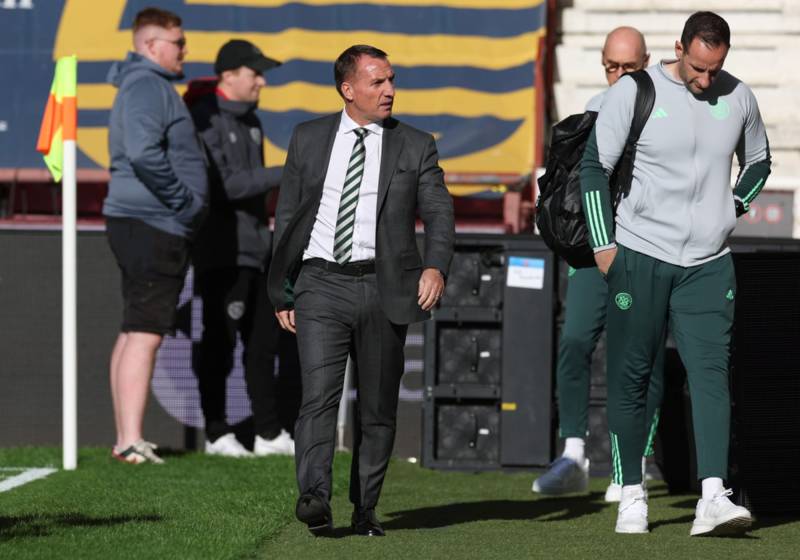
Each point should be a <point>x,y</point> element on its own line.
<point>288,201</point>
<point>436,211</point>
<point>603,149</point>
<point>239,183</point>
<point>289,193</point>
<point>753,156</point>
<point>144,123</point>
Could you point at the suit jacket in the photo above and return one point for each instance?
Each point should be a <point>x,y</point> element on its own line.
<point>410,182</point>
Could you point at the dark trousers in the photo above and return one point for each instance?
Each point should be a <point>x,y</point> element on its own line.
<point>587,300</point>
<point>235,302</point>
<point>338,315</point>
<point>644,294</point>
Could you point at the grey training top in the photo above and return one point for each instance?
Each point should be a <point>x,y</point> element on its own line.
<point>680,209</point>
<point>596,101</point>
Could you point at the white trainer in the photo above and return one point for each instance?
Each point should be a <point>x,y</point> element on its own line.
<point>283,444</point>
<point>227,446</point>
<point>720,517</point>
<point>632,513</point>
<point>613,492</point>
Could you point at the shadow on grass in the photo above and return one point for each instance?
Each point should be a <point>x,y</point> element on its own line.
<point>434,517</point>
<point>24,526</point>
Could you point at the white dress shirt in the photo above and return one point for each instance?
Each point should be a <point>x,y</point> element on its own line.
<point>321,243</point>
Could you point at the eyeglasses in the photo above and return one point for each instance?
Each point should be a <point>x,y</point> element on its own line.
<point>613,67</point>
<point>180,43</point>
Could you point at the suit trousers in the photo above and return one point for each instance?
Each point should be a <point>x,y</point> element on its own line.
<point>337,315</point>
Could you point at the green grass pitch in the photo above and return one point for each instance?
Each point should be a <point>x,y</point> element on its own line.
<point>209,507</point>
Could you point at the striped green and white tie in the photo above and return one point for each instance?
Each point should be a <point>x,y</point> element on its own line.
<point>345,220</point>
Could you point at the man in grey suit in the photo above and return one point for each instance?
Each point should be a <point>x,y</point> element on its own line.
<point>347,276</point>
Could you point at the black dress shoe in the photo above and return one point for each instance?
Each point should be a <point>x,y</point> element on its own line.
<point>365,523</point>
<point>315,512</point>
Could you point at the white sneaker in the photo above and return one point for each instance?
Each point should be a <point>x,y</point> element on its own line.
<point>563,476</point>
<point>632,513</point>
<point>720,517</point>
<point>227,446</point>
<point>283,444</point>
<point>613,492</point>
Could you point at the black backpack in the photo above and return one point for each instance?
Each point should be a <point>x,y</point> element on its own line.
<point>559,211</point>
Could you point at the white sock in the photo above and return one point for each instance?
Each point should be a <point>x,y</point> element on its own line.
<point>711,487</point>
<point>573,449</point>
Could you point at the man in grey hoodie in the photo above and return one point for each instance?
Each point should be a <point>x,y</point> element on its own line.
<point>156,199</point>
<point>668,258</point>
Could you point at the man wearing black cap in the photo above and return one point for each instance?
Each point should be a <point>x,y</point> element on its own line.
<point>232,252</point>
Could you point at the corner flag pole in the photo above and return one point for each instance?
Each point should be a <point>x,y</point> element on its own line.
<point>57,141</point>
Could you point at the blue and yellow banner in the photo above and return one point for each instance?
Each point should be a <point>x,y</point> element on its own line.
<point>465,68</point>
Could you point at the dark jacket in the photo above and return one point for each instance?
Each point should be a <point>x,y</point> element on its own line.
<point>236,232</point>
<point>410,182</point>
<point>157,167</point>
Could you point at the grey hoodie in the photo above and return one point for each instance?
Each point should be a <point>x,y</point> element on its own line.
<point>681,209</point>
<point>158,172</point>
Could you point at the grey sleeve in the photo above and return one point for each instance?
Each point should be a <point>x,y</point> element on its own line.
<point>614,122</point>
<point>596,102</point>
<point>603,149</point>
<point>752,153</point>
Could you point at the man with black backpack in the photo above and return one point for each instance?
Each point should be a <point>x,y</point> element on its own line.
<point>587,293</point>
<point>665,254</point>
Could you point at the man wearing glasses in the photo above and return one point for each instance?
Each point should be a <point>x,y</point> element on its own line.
<point>156,199</point>
<point>587,294</point>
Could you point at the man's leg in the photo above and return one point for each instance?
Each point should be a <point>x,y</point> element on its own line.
<point>587,293</point>
<point>587,296</point>
<point>324,306</point>
<point>655,395</point>
<point>639,288</point>
<point>153,264</point>
<point>701,311</point>
<point>378,354</point>
<point>116,354</point>
<point>214,356</point>
<point>260,332</point>
<point>135,370</point>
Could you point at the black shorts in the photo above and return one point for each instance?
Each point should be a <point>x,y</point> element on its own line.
<point>153,265</point>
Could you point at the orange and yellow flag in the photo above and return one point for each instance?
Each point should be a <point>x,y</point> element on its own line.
<point>60,121</point>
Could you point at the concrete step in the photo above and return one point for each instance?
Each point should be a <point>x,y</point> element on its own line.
<point>665,39</point>
<point>687,6</point>
<point>575,20</point>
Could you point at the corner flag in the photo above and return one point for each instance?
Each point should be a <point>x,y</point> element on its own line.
<point>60,121</point>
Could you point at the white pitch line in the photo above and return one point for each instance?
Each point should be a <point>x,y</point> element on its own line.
<point>28,475</point>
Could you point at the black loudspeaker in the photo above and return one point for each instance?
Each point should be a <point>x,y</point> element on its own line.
<point>470,355</point>
<point>468,433</point>
<point>476,278</point>
<point>488,357</point>
<point>765,381</point>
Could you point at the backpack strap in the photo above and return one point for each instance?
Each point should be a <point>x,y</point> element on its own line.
<point>645,98</point>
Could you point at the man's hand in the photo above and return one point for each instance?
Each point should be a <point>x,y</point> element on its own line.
<point>604,260</point>
<point>431,288</point>
<point>286,319</point>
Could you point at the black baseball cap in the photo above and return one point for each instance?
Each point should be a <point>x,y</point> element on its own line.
<point>237,53</point>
